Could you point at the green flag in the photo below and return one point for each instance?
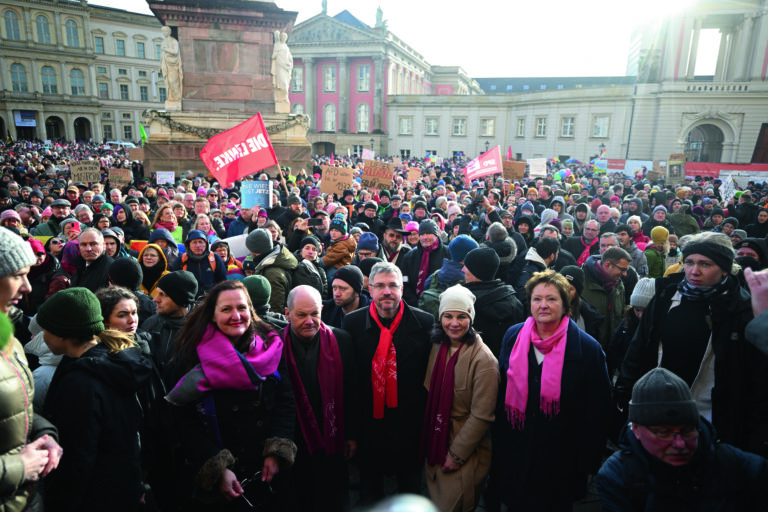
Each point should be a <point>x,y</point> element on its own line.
<point>143,134</point>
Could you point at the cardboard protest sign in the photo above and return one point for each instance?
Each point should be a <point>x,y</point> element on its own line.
<point>377,175</point>
<point>538,167</point>
<point>414,175</point>
<point>513,170</point>
<point>123,176</point>
<point>486,164</point>
<point>86,171</point>
<point>256,193</point>
<point>239,151</point>
<point>676,168</point>
<point>336,180</point>
<point>166,177</point>
<point>136,154</point>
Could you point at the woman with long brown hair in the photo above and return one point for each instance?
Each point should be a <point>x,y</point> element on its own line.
<point>165,218</point>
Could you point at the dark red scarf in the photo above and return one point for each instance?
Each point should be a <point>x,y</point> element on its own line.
<point>384,365</point>
<point>435,433</point>
<point>330,374</point>
<point>424,267</point>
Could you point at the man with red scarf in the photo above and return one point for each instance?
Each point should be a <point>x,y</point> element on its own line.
<point>321,365</point>
<point>586,245</point>
<point>392,347</point>
<point>423,261</point>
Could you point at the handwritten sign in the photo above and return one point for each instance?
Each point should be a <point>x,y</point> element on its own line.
<point>86,171</point>
<point>513,170</point>
<point>728,189</point>
<point>414,175</point>
<point>377,175</point>
<point>166,177</point>
<point>256,193</point>
<point>336,180</point>
<point>120,176</point>
<point>538,167</point>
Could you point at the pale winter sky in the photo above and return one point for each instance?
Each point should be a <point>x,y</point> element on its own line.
<point>503,38</point>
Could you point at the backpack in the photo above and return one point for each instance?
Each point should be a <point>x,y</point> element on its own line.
<point>211,260</point>
<point>430,297</point>
<point>307,273</point>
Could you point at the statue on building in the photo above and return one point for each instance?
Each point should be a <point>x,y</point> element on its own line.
<point>325,6</point>
<point>170,65</point>
<point>282,66</point>
<point>380,21</point>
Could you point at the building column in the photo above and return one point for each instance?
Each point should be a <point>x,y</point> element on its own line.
<point>309,90</point>
<point>379,91</point>
<point>744,48</point>
<point>722,56</point>
<point>343,95</point>
<point>694,50</point>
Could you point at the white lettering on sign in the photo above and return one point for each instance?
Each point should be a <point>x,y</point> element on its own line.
<point>241,149</point>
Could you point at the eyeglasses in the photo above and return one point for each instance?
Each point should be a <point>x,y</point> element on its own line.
<point>669,435</point>
<point>624,270</point>
<point>255,478</point>
<point>381,286</point>
<point>591,229</point>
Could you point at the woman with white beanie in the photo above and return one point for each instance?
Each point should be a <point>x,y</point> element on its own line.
<point>462,379</point>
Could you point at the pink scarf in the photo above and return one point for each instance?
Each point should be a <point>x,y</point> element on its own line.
<point>435,432</point>
<point>330,374</point>
<point>516,398</point>
<point>384,365</point>
<point>170,226</point>
<point>424,267</point>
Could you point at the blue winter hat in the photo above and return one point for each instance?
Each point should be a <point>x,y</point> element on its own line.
<point>660,208</point>
<point>460,246</point>
<point>527,206</point>
<point>368,242</point>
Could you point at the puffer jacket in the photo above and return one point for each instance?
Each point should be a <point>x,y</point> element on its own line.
<point>278,267</point>
<point>683,222</point>
<point>19,425</point>
<point>340,252</point>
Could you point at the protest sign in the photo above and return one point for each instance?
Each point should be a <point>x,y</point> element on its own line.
<point>86,171</point>
<point>727,189</point>
<point>368,154</point>
<point>675,168</point>
<point>237,246</point>
<point>123,176</point>
<point>414,175</point>
<point>397,161</point>
<point>239,151</point>
<point>513,170</point>
<point>336,180</point>
<point>538,167</point>
<point>377,175</point>
<point>166,177</point>
<point>486,164</point>
<point>256,193</point>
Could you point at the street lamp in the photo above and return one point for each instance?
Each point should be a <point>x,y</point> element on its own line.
<point>486,146</point>
<point>602,148</point>
<point>371,141</point>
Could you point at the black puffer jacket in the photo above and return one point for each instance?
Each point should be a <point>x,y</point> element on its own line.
<point>497,308</point>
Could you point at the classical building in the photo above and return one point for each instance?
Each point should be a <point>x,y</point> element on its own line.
<point>74,71</point>
<point>343,73</point>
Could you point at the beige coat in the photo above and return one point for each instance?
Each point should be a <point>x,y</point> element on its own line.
<point>476,385</point>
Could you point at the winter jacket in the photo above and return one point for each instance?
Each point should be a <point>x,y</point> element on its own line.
<point>93,276</point>
<point>651,223</point>
<point>340,252</point>
<point>45,280</point>
<point>639,260</point>
<point>162,344</point>
<point>278,267</point>
<point>657,263</point>
<point>171,250</point>
<point>448,275</point>
<point>610,305</point>
<point>497,308</point>
<point>152,289</point>
<point>333,316</point>
<point>92,400</point>
<point>52,227</point>
<point>683,222</point>
<point>207,277</point>
<point>132,228</point>
<point>532,264</point>
<point>506,250</point>
<point>719,477</point>
<point>411,266</point>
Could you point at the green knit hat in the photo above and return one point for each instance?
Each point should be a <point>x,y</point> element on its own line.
<point>259,289</point>
<point>71,313</point>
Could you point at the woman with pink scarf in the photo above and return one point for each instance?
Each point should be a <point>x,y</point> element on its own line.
<point>553,407</point>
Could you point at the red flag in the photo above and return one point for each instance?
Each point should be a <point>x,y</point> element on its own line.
<point>509,153</point>
<point>332,162</point>
<point>239,151</point>
<point>485,164</point>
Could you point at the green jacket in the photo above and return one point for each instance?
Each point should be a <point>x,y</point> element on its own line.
<point>50,228</point>
<point>278,267</point>
<point>611,306</point>
<point>683,222</point>
<point>657,263</point>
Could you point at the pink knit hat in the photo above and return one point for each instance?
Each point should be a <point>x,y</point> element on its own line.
<point>412,226</point>
<point>47,212</point>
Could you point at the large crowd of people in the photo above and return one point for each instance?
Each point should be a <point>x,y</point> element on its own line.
<point>489,341</point>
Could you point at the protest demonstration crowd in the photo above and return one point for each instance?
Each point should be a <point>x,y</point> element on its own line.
<point>494,341</point>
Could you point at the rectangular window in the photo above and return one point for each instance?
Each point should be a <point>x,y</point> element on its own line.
<point>144,93</point>
<point>127,132</point>
<point>98,44</point>
<point>406,126</point>
<point>142,74</point>
<point>363,78</point>
<point>140,52</point>
<point>120,45</point>
<point>104,91</point>
<point>106,115</point>
<point>162,93</point>
<point>541,126</point>
<point>405,154</point>
<point>521,127</point>
<point>107,131</point>
<point>459,127</point>
<point>297,79</point>
<point>123,72</point>
<point>566,129</point>
<point>124,92</point>
<point>487,127</point>
<point>329,78</point>
<point>431,126</point>
<point>126,116</point>
<point>101,69</point>
<point>158,51</point>
<point>600,126</point>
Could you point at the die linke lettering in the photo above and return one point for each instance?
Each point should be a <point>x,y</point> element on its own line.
<point>248,146</point>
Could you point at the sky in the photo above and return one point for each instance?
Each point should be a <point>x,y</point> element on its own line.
<point>502,38</point>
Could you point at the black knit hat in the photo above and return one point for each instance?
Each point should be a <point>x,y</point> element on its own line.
<point>428,227</point>
<point>350,275</point>
<point>367,264</point>
<point>310,240</point>
<point>733,221</point>
<point>575,276</point>
<point>126,272</point>
<point>662,398</point>
<point>71,313</point>
<point>482,263</point>
<point>180,286</point>
<point>720,254</point>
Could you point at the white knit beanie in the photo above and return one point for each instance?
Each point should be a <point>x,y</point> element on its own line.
<point>458,298</point>
<point>15,253</point>
<point>644,291</point>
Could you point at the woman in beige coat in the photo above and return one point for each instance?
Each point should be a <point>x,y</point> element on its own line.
<point>463,379</point>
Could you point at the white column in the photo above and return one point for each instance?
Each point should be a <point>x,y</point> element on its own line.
<point>343,95</point>
<point>309,90</point>
<point>722,56</point>
<point>379,79</point>
<point>694,49</point>
<point>744,48</point>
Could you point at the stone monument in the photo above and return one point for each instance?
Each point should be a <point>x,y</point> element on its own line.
<point>223,61</point>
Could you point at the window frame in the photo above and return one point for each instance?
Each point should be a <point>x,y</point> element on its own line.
<point>72,31</point>
<point>485,123</point>
<point>541,127</point>
<point>405,125</point>
<point>363,78</point>
<point>427,130</point>
<point>567,127</point>
<point>363,118</point>
<point>520,131</point>
<point>329,117</point>
<point>21,82</point>
<point>595,126</point>
<point>329,78</point>
<point>120,47</point>
<point>46,32</point>
<point>459,127</point>
<point>141,50</point>
<point>49,87</point>
<point>125,93</point>
<point>297,79</point>
<point>12,26</point>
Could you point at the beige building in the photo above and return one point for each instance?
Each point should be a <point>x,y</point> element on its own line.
<point>74,71</point>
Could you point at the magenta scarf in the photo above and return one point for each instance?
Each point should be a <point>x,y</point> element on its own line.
<point>424,267</point>
<point>435,432</point>
<point>330,374</point>
<point>170,226</point>
<point>516,398</point>
<point>585,253</point>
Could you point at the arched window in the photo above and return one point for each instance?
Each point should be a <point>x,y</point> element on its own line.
<point>19,78</point>
<point>73,38</point>
<point>297,108</point>
<point>50,85</point>
<point>329,118</point>
<point>77,81</point>
<point>363,118</point>
<point>12,26</point>
<point>43,30</point>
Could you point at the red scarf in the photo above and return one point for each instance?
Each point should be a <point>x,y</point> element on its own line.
<point>384,366</point>
<point>170,226</point>
<point>585,253</point>
<point>435,433</point>
<point>424,267</point>
<point>516,398</point>
<point>330,374</point>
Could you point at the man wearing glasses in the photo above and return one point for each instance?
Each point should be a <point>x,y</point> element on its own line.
<point>604,290</point>
<point>670,458</point>
<point>586,245</point>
